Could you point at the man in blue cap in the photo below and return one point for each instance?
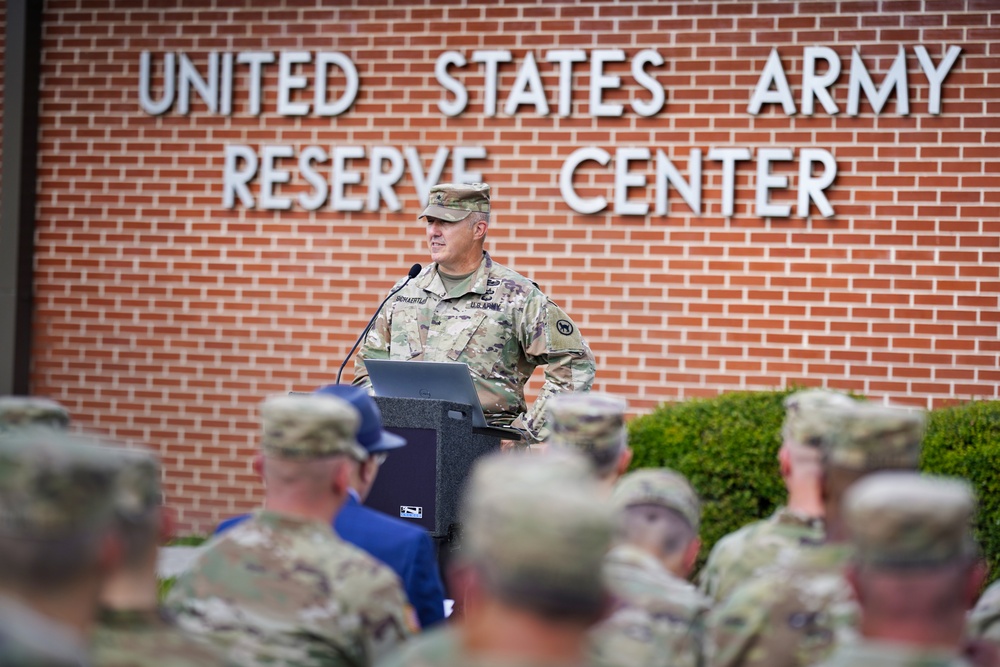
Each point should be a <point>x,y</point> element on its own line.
<point>405,548</point>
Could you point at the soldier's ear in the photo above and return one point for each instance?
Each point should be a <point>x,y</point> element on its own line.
<point>258,465</point>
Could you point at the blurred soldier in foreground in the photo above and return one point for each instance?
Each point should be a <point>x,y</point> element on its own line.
<point>58,544</point>
<point>777,540</point>
<point>984,620</point>
<point>792,616</point>
<point>406,548</point>
<point>914,573</point>
<point>535,533</point>
<point>132,631</point>
<point>594,424</point>
<point>282,588</point>
<point>659,619</point>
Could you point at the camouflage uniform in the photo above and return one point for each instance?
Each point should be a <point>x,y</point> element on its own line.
<point>140,638</point>
<point>591,422</point>
<point>777,540</point>
<point>20,411</point>
<point>791,617</point>
<point>54,490</point>
<point>496,321</point>
<point>984,619</point>
<point>660,617</point>
<point>902,521</point>
<point>744,554</point>
<point>287,590</point>
<point>536,532</point>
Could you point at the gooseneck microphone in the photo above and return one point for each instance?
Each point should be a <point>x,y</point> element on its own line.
<point>414,272</point>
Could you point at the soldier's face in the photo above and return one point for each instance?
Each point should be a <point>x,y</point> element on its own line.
<point>453,245</point>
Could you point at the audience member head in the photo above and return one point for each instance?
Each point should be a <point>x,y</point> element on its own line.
<point>594,424</point>
<point>535,534</point>
<point>915,570</point>
<point>308,446</point>
<point>376,441</point>
<point>658,511</point>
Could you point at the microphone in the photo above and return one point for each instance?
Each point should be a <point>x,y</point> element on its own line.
<point>414,272</point>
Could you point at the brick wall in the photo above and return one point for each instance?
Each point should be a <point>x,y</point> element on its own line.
<point>165,317</point>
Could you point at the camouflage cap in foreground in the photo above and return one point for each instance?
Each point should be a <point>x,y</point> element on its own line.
<point>21,411</point>
<point>658,486</point>
<point>537,529</point>
<point>138,485</point>
<point>54,485</point>
<point>869,436</point>
<point>455,201</point>
<point>808,416</point>
<point>592,422</point>
<point>310,427</point>
<point>900,519</point>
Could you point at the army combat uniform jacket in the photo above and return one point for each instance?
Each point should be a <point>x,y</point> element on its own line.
<point>441,647</point>
<point>282,590</point>
<point>787,617</point>
<point>136,638</point>
<point>659,619</point>
<point>866,653</point>
<point>497,322</point>
<point>741,555</point>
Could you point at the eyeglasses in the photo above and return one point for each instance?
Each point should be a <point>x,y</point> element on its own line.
<point>380,458</point>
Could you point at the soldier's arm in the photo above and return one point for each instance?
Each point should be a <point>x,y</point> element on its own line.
<point>553,340</point>
<point>387,615</point>
<point>376,345</point>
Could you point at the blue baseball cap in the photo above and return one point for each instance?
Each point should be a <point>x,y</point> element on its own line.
<point>371,435</point>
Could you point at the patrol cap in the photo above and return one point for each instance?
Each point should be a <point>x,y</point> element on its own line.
<point>902,518</point>
<point>54,485</point>
<point>138,485</point>
<point>20,411</point>
<point>310,427</point>
<point>808,415</point>
<point>592,422</point>
<point>870,436</point>
<point>455,201</point>
<point>537,529</point>
<point>371,435</point>
<point>658,486</point>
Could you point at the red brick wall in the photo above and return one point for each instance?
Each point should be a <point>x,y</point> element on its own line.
<point>165,317</point>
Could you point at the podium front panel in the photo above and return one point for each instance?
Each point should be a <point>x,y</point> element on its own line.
<point>406,486</point>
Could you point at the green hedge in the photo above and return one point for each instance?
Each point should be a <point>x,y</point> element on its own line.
<point>727,446</point>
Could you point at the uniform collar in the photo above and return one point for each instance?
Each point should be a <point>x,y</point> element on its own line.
<point>430,281</point>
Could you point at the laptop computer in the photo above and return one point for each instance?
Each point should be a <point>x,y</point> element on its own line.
<point>441,380</point>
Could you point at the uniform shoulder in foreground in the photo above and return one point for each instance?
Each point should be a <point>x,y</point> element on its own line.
<point>146,639</point>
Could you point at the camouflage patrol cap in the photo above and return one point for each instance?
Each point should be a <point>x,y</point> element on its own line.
<point>54,485</point>
<point>808,415</point>
<point>869,436</point>
<point>899,519</point>
<point>592,422</point>
<point>19,411</point>
<point>138,485</point>
<point>455,201</point>
<point>537,529</point>
<point>310,427</point>
<point>658,486</point>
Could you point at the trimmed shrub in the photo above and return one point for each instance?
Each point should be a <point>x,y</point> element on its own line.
<point>728,445</point>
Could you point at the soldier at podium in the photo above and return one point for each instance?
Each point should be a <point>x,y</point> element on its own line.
<point>465,307</point>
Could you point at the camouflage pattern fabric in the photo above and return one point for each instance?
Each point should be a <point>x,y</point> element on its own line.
<point>301,428</point>
<point>442,648</point>
<point>28,639</point>
<point>865,653</point>
<point>145,638</point>
<point>280,590</point>
<point>984,619</point>
<point>497,322</point>
<point>742,555</point>
<point>788,617</point>
<point>659,618</point>
<point>455,201</point>
<point>21,411</point>
<point>592,422</point>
